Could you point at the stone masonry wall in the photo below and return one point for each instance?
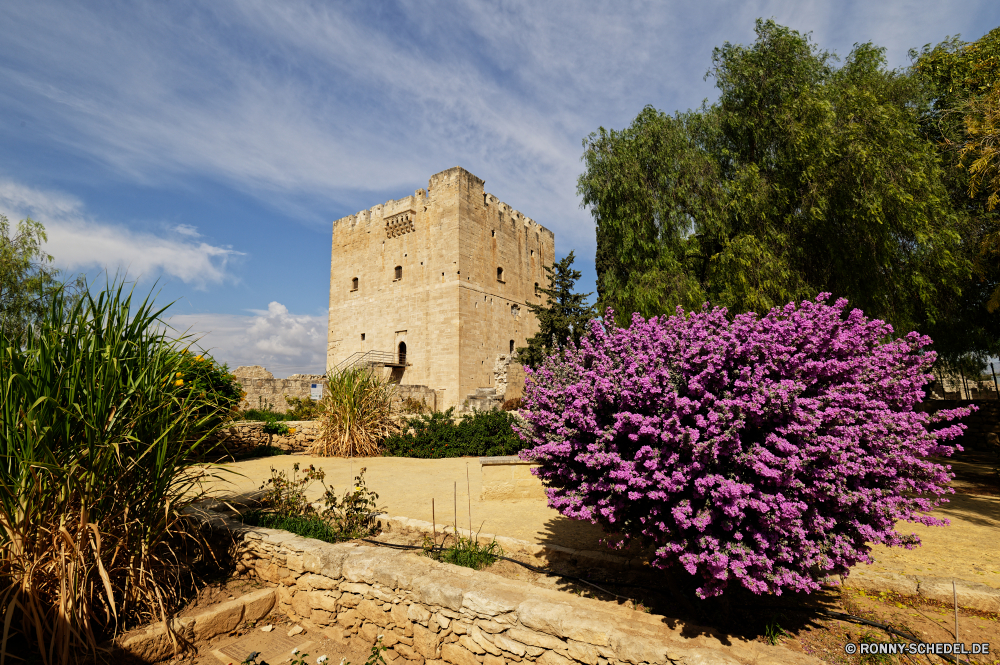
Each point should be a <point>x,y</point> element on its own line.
<point>240,438</point>
<point>431,613</point>
<point>263,391</point>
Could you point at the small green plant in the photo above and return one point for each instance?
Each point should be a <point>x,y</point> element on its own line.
<point>263,415</point>
<point>275,427</point>
<point>465,552</point>
<point>774,633</point>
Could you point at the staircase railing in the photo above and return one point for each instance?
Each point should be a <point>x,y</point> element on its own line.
<point>372,358</point>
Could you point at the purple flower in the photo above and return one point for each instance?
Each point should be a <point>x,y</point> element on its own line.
<point>771,451</point>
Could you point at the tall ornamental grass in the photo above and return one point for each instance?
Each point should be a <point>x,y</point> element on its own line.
<point>767,452</point>
<point>355,414</point>
<point>102,427</point>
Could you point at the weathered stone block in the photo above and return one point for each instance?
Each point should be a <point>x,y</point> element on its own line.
<point>425,642</point>
<point>458,655</point>
<point>470,644</point>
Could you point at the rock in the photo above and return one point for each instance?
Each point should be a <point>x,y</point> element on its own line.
<point>372,612</point>
<point>585,653</point>
<point>493,660</point>
<point>425,642</point>
<point>418,613</point>
<point>530,637</point>
<point>457,655</point>
<point>311,581</point>
<point>296,630</point>
<point>358,588</point>
<point>479,638</point>
<point>268,628</point>
<point>491,627</point>
<point>509,645</point>
<point>471,645</point>
<point>552,658</point>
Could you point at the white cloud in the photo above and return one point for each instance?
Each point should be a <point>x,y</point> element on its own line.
<point>79,242</point>
<point>282,342</point>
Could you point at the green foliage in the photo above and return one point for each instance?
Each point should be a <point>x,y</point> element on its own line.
<point>466,552</point>
<point>303,408</point>
<point>563,316</point>
<point>803,177</point>
<point>100,453</point>
<point>284,506</point>
<point>212,383</point>
<point>961,117</point>
<point>275,427</point>
<point>437,435</point>
<point>27,280</point>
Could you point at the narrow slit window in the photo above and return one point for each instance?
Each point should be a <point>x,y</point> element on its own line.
<point>354,284</point>
<point>512,346</point>
<point>399,272</point>
<point>499,274</point>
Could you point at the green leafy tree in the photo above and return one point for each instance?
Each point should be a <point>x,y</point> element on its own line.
<point>563,316</point>
<point>961,117</point>
<point>27,280</point>
<point>803,177</point>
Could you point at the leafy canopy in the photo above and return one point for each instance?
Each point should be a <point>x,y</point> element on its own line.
<point>803,177</point>
<point>961,117</point>
<point>27,279</point>
<point>563,316</point>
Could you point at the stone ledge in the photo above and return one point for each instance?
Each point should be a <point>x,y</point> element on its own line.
<point>155,644</point>
<point>971,595</point>
<point>440,612</point>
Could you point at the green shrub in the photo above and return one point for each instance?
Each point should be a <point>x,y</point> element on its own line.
<point>437,435</point>
<point>303,408</point>
<point>104,424</point>
<point>275,427</point>
<point>284,506</point>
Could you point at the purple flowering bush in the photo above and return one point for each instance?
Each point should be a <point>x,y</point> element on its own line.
<point>770,451</point>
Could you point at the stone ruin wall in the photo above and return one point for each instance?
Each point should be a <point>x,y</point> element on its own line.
<point>263,391</point>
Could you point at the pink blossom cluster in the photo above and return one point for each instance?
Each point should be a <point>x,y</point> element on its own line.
<point>771,450</point>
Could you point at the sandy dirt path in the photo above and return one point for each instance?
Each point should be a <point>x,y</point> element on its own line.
<point>969,549</point>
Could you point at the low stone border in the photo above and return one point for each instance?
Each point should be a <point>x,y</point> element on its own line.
<point>154,644</point>
<point>970,594</point>
<point>432,613</point>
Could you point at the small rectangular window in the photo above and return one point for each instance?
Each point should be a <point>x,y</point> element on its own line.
<point>354,284</point>
<point>399,272</point>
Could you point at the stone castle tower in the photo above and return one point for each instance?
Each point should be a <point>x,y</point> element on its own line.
<point>434,286</point>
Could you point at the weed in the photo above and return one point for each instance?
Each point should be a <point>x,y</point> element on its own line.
<point>466,552</point>
<point>284,506</point>
<point>774,633</point>
<point>303,408</point>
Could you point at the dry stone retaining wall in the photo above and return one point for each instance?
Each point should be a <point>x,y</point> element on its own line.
<point>435,614</point>
<point>240,438</point>
<point>263,391</point>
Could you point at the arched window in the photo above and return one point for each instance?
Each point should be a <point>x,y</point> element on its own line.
<point>499,274</point>
<point>402,353</point>
<point>354,284</point>
<point>512,346</point>
<point>399,272</point>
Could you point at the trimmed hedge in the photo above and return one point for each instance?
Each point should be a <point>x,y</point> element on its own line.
<point>437,435</point>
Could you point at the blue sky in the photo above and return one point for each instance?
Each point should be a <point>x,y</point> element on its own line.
<point>207,147</point>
